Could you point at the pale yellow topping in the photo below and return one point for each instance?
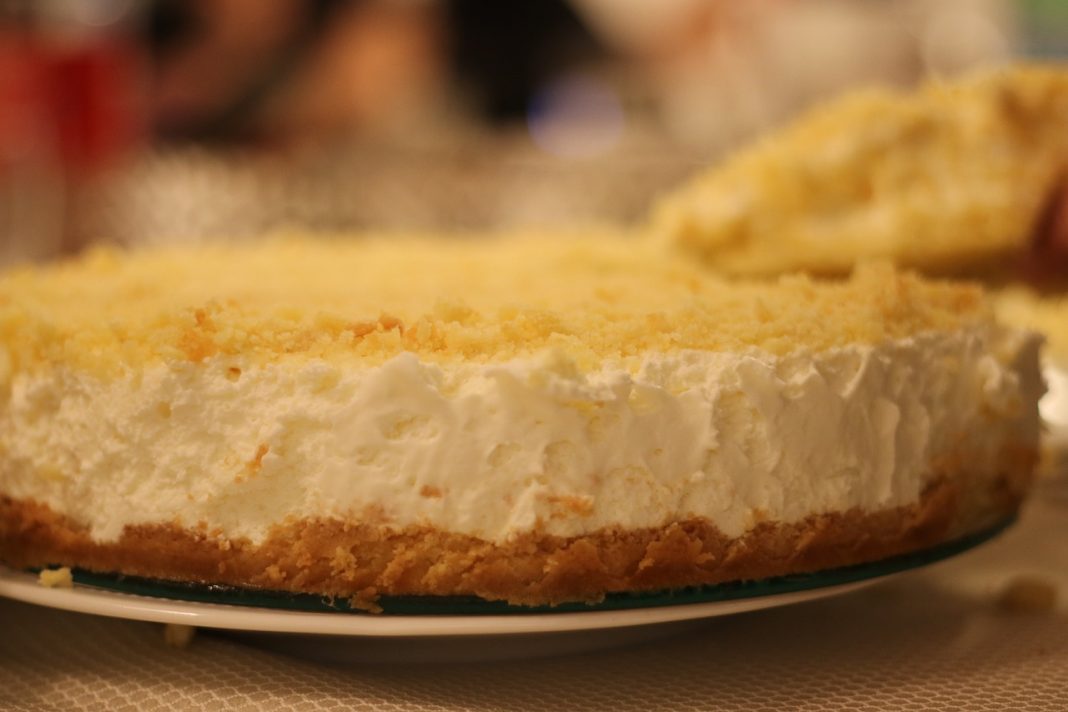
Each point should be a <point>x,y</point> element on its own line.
<point>946,179</point>
<point>445,299</point>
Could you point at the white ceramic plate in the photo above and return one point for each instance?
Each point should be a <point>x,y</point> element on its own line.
<point>393,639</point>
<point>1054,405</point>
<point>87,599</point>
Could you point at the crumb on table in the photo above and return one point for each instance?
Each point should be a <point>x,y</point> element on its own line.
<point>176,635</point>
<point>1030,594</point>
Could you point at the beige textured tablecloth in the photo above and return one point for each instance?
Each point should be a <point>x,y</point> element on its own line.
<point>930,640</point>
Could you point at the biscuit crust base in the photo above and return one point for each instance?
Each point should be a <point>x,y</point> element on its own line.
<point>364,561</point>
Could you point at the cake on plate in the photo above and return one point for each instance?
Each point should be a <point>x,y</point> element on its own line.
<point>951,179</point>
<point>534,419</point>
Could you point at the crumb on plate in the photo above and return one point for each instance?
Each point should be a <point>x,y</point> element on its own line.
<point>56,578</point>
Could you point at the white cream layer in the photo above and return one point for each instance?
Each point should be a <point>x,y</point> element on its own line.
<point>497,450</point>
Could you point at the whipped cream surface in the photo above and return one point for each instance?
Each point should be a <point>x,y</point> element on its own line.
<point>498,450</point>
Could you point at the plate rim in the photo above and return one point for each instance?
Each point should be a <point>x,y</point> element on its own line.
<point>24,587</point>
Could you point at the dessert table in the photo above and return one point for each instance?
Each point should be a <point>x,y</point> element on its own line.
<point>976,632</point>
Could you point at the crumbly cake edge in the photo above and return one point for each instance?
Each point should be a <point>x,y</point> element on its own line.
<point>364,561</point>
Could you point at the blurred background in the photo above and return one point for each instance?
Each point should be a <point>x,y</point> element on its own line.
<point>151,121</point>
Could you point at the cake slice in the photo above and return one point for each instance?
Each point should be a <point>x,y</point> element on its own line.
<point>950,179</point>
<point>534,420</point>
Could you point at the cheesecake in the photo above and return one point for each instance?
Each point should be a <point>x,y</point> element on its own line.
<point>533,419</point>
<point>953,178</point>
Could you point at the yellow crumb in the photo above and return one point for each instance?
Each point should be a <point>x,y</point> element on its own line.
<point>56,578</point>
<point>442,299</point>
<point>176,635</point>
<point>948,178</point>
<point>366,601</point>
<point>1028,594</point>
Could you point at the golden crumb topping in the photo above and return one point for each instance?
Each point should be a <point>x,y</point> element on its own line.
<point>445,300</point>
<point>946,179</point>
